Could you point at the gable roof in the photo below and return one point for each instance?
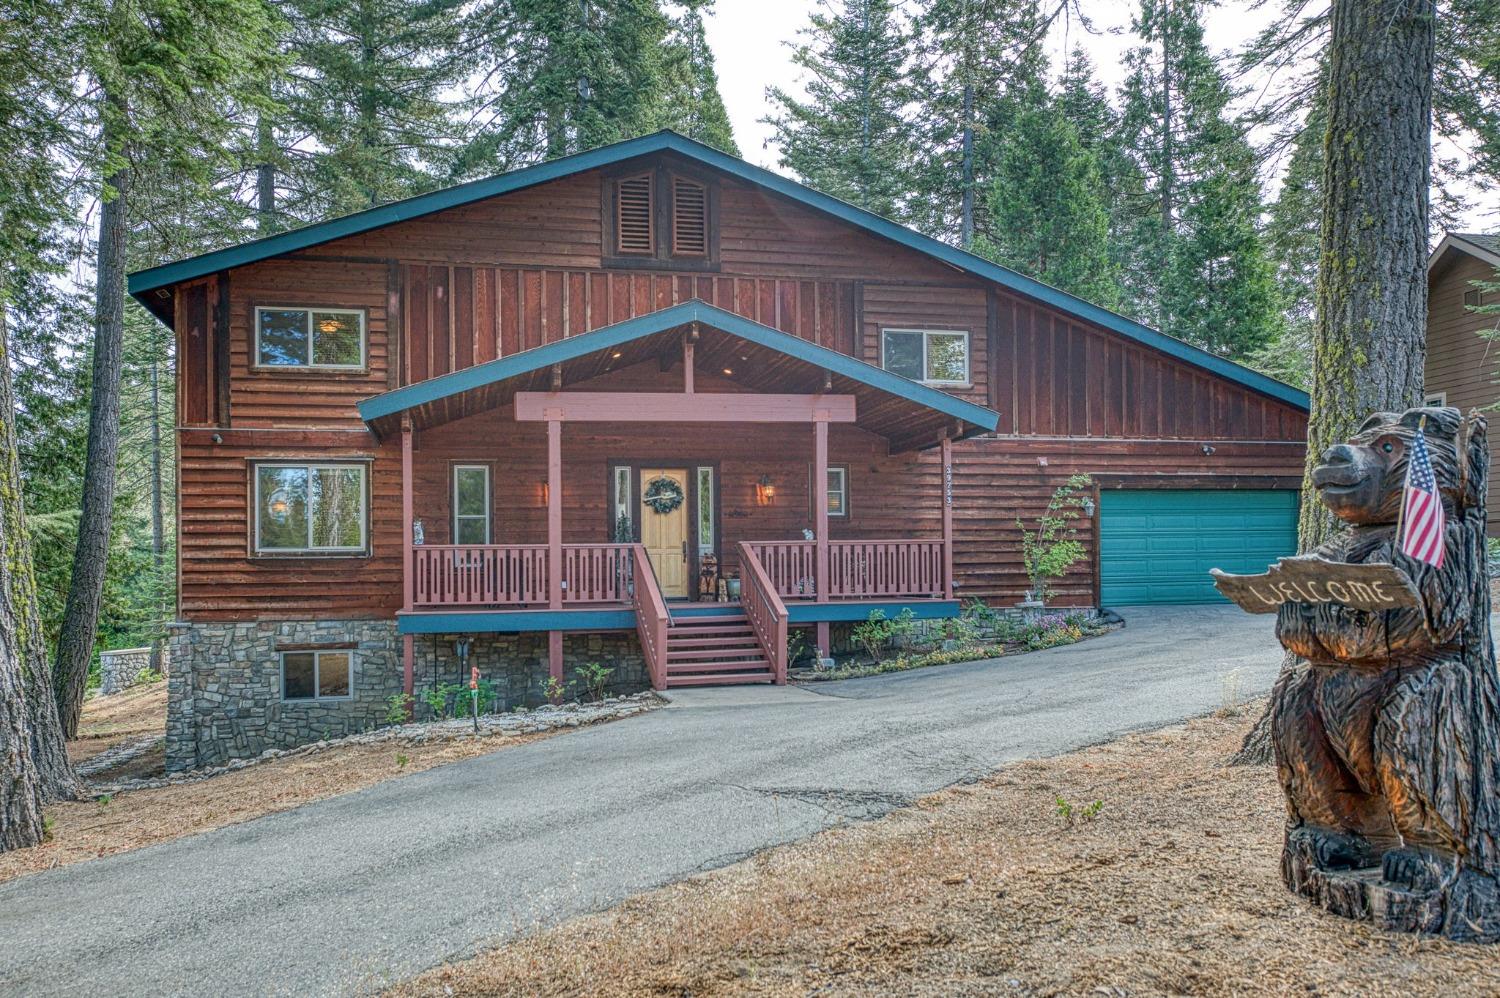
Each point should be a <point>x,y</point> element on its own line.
<point>460,393</point>
<point>143,282</point>
<point>1475,244</point>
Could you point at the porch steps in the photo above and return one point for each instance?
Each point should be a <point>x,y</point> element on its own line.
<point>714,649</point>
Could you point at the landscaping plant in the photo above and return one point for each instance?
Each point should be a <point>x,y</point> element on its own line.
<point>596,680</point>
<point>398,708</point>
<point>1049,550</point>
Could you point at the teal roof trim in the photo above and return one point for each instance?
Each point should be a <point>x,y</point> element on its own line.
<point>573,347</point>
<point>667,141</point>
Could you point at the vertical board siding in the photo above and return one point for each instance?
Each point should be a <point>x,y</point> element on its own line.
<point>536,307</point>
<point>1056,377</point>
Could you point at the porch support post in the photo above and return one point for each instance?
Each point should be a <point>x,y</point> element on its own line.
<point>554,541</point>
<point>820,500</point>
<point>947,453</point>
<point>408,552</point>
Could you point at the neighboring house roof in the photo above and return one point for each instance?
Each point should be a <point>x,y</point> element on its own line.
<point>587,355</point>
<point>145,281</point>
<point>1475,244</point>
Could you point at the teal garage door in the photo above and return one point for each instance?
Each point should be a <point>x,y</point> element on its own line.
<point>1156,546</point>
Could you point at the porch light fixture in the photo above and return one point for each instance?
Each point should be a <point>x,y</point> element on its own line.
<point>765,491</point>
<point>1088,506</point>
<point>546,493</point>
<point>728,370</point>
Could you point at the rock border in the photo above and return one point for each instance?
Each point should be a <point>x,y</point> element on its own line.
<point>518,722</point>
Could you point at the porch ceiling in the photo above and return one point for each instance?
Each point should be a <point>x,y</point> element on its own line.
<point>758,357</point>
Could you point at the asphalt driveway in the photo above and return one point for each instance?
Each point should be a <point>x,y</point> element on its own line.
<point>356,892</point>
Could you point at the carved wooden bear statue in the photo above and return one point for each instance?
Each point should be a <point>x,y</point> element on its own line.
<point>1386,731</point>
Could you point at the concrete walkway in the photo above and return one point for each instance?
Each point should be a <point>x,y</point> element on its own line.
<point>352,893</point>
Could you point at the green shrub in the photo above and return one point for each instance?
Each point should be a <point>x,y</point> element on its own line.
<point>398,708</point>
<point>463,698</point>
<point>596,680</point>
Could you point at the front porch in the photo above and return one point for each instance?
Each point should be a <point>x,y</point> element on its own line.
<point>730,462</point>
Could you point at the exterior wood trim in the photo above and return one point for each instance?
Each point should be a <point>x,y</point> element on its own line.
<point>669,407</point>
<point>221,352</point>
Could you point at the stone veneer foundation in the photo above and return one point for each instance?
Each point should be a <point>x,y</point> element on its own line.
<point>224,690</point>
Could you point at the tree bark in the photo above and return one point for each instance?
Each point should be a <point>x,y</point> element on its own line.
<point>20,781</point>
<point>49,751</point>
<point>80,625</point>
<point>1369,344</point>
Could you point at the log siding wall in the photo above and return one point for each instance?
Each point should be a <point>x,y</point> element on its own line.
<point>470,284</point>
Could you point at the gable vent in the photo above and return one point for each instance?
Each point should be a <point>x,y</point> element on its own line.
<point>633,215</point>
<point>689,218</point>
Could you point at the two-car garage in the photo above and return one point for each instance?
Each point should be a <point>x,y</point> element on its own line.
<point>1157,545</point>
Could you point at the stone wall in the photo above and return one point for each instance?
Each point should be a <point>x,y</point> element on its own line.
<point>224,691</point>
<point>119,668</point>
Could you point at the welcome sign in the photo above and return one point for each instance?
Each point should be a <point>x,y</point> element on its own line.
<point>1310,579</point>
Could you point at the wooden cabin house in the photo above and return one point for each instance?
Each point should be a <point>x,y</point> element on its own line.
<point>654,407</point>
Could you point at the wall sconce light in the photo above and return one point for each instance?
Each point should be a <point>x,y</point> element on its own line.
<point>1041,462</point>
<point>1088,506</point>
<point>546,493</point>
<point>765,491</point>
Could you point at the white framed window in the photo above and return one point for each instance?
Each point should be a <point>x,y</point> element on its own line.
<point>331,338</point>
<point>471,504</point>
<point>317,675</point>
<point>705,510</point>
<point>310,508</point>
<point>838,489</point>
<point>622,529</point>
<point>1435,399</point>
<point>931,356</point>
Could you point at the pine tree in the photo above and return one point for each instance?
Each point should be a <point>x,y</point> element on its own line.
<point>561,76</point>
<point>972,53</point>
<point>690,101</point>
<point>851,137</point>
<point>166,81</point>
<point>368,117</point>
<point>1197,267</point>
<point>1046,206</point>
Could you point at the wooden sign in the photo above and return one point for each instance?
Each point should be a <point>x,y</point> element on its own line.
<point>1310,579</point>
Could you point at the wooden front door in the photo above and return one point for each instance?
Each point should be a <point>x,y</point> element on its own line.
<point>665,535</point>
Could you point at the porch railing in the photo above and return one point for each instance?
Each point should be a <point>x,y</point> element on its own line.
<point>516,574</point>
<point>479,574</point>
<point>651,617</point>
<point>856,569</point>
<point>765,611</point>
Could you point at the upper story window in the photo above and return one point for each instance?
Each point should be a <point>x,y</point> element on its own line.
<point>1435,399</point>
<point>661,218</point>
<point>1473,298</point>
<point>310,337</point>
<point>311,508</point>
<point>471,504</point>
<point>932,356</point>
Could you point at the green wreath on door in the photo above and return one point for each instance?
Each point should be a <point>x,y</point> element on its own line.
<point>662,494</point>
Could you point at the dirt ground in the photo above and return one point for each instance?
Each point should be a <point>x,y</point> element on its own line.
<point>122,717</point>
<point>82,830</point>
<point>1171,888</point>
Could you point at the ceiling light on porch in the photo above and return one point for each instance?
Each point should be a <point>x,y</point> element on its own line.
<point>615,355</point>
<point>765,491</point>
<point>728,370</point>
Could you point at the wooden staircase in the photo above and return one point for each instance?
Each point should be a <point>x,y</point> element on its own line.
<point>714,649</point>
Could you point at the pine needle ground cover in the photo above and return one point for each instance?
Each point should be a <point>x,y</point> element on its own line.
<point>1017,885</point>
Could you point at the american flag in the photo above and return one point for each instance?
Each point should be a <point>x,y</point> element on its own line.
<point>1422,516</point>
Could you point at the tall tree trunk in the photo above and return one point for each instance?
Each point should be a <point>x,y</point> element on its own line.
<point>1369,345</point>
<point>80,625</point>
<point>966,210</point>
<point>34,765</point>
<point>265,178</point>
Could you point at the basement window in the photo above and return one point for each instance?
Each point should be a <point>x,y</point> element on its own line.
<point>316,675</point>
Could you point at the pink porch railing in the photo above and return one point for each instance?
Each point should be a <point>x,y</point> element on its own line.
<point>856,569</point>
<point>765,611</point>
<point>516,574</point>
<point>651,617</point>
<point>479,574</point>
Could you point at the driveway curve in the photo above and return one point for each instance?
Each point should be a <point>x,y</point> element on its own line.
<point>353,893</point>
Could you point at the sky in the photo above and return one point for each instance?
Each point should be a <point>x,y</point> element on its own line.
<point>750,43</point>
